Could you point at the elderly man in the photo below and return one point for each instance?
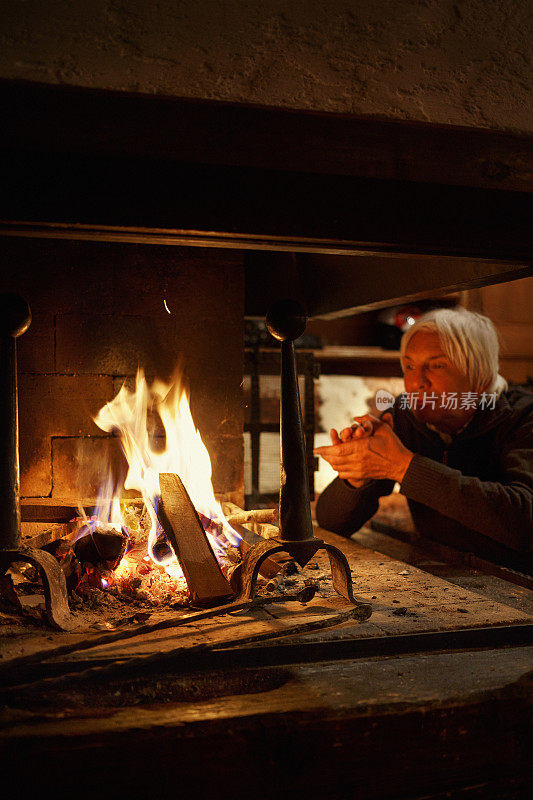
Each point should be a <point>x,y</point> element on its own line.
<point>458,441</point>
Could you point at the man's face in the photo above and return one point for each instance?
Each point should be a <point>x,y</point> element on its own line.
<point>427,370</point>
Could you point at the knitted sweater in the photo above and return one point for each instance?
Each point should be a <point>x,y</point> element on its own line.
<point>475,494</point>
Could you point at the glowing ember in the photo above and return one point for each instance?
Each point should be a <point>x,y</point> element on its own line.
<point>184,453</point>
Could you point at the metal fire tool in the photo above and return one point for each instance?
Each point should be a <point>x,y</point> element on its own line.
<point>286,321</point>
<point>15,318</point>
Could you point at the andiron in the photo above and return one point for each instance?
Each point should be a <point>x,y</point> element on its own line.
<point>15,318</point>
<point>286,321</point>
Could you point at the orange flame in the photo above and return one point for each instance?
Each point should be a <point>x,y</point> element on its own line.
<point>184,453</point>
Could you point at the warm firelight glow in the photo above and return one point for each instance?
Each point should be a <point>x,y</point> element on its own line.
<point>184,453</point>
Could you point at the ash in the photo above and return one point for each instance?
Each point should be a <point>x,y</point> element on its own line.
<point>137,580</point>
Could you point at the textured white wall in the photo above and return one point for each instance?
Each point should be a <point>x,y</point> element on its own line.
<point>466,62</point>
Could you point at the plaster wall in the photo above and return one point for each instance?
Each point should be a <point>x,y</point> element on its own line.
<point>464,63</point>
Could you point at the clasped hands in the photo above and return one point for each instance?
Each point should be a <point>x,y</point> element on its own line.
<point>368,450</point>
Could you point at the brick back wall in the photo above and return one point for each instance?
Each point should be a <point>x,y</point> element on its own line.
<point>98,311</point>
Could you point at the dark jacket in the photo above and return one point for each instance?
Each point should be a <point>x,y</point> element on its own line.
<point>475,494</point>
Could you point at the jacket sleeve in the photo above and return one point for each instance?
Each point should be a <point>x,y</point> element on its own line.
<point>343,509</point>
<point>503,510</point>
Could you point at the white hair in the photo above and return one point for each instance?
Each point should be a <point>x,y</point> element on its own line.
<point>469,340</point>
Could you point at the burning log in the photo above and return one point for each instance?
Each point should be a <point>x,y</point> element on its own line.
<point>35,509</point>
<point>63,551</point>
<point>102,547</point>
<point>161,549</point>
<point>185,532</point>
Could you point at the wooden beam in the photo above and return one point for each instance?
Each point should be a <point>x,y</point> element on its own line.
<point>60,194</point>
<point>377,212</point>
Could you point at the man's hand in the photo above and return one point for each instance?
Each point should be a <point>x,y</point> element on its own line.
<point>361,427</point>
<point>370,450</point>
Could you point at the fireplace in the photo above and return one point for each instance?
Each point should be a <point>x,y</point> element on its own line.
<point>101,314</point>
<point>143,230</point>
<point>142,250</point>
<point>144,471</point>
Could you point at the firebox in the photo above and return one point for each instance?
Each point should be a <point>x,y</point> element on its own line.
<point>99,312</point>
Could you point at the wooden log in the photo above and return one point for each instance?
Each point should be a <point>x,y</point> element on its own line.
<point>103,547</point>
<point>186,534</point>
<point>63,530</point>
<point>261,515</point>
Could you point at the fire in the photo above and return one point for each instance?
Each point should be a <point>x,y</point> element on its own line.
<point>132,414</point>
